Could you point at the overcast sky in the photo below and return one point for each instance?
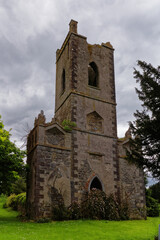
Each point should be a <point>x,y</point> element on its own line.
<point>32,30</point>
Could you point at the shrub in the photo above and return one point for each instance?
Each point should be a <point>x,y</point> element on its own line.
<point>10,202</point>
<point>93,207</point>
<point>60,213</point>
<point>111,208</point>
<point>152,207</point>
<point>3,198</point>
<point>17,202</point>
<point>68,125</point>
<point>19,186</point>
<point>21,203</point>
<point>99,206</point>
<point>74,211</point>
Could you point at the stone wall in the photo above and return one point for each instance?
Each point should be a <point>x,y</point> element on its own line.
<point>52,180</point>
<point>131,183</point>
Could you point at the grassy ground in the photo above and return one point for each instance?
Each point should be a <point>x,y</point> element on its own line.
<point>12,229</point>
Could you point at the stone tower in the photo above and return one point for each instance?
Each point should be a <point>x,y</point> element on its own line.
<point>85,94</point>
<point>67,164</point>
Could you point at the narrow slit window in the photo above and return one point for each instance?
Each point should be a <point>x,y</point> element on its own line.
<point>92,74</point>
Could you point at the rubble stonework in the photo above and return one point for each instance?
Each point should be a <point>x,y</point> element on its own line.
<point>64,165</point>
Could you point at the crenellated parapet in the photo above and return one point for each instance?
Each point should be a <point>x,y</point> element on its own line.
<point>41,119</point>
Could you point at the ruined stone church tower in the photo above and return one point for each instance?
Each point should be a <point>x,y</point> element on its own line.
<point>67,164</point>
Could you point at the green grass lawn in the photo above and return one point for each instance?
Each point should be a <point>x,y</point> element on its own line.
<point>12,229</point>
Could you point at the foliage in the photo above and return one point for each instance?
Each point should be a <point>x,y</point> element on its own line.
<point>145,144</point>
<point>3,198</point>
<point>16,202</point>
<point>60,213</point>
<point>116,210</point>
<point>75,211</point>
<point>11,161</point>
<point>68,125</point>
<point>112,208</point>
<point>93,207</point>
<point>152,207</point>
<point>99,206</point>
<point>10,202</point>
<point>96,205</point>
<point>19,186</point>
<point>155,191</point>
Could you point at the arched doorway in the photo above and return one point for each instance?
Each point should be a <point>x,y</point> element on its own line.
<point>96,183</point>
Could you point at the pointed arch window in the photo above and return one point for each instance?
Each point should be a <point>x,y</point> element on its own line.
<point>96,183</point>
<point>93,74</point>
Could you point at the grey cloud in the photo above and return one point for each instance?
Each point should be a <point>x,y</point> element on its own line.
<point>41,49</point>
<point>30,36</point>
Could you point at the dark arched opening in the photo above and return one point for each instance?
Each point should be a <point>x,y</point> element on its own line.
<point>92,74</point>
<point>63,81</point>
<point>96,184</point>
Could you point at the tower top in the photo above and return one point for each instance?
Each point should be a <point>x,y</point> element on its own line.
<point>73,26</point>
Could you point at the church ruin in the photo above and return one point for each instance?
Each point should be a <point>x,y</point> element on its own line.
<point>65,164</point>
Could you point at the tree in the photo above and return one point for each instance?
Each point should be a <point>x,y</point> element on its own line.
<point>155,191</point>
<point>145,143</point>
<point>19,186</point>
<point>11,161</point>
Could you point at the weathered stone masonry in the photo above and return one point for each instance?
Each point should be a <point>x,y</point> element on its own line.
<point>65,165</point>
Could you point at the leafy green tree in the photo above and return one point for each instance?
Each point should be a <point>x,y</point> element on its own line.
<point>19,186</point>
<point>11,161</point>
<point>152,207</point>
<point>145,144</point>
<point>155,191</point>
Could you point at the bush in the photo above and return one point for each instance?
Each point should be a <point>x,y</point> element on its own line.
<point>95,206</point>
<point>19,186</point>
<point>111,208</point>
<point>21,203</point>
<point>10,202</point>
<point>17,202</point>
<point>152,207</point>
<point>68,125</point>
<point>3,198</point>
<point>74,211</point>
<point>60,213</point>
<point>99,206</point>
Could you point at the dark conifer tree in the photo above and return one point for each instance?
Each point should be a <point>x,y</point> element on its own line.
<point>155,191</point>
<point>145,142</point>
